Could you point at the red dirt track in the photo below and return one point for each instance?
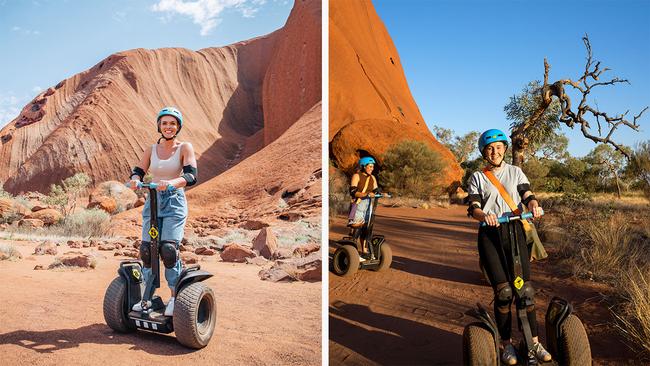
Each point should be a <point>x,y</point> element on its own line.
<point>414,313</point>
<point>54,317</point>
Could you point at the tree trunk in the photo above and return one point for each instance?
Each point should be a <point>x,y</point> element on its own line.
<point>519,147</point>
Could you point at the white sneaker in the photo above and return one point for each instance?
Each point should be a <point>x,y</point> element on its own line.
<point>138,306</point>
<point>169,310</point>
<point>509,355</point>
<point>541,353</point>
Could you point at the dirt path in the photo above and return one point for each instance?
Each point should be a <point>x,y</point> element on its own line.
<point>54,317</point>
<point>414,312</point>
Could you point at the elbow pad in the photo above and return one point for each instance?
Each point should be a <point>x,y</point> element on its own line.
<point>522,189</point>
<point>353,190</point>
<point>190,175</point>
<point>137,171</point>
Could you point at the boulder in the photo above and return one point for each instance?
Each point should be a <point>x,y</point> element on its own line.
<point>74,244</point>
<point>253,225</point>
<point>306,249</point>
<point>236,253</point>
<point>31,223</point>
<point>302,269</point>
<point>291,216</point>
<point>106,246</point>
<point>108,204</point>
<point>139,202</point>
<point>189,258</point>
<point>49,216</point>
<point>265,243</point>
<point>74,259</point>
<point>122,197</point>
<point>204,251</point>
<point>46,247</point>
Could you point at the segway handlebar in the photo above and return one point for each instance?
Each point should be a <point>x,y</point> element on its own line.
<point>383,195</point>
<point>505,219</point>
<point>151,185</point>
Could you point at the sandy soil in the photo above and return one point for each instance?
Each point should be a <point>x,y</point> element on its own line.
<point>54,317</point>
<point>414,313</point>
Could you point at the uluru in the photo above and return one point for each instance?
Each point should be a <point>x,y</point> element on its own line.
<point>371,106</point>
<point>257,100</point>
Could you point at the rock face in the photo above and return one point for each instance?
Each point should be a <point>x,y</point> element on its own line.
<point>235,100</point>
<point>371,106</point>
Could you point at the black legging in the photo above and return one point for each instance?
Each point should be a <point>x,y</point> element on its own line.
<point>498,264</point>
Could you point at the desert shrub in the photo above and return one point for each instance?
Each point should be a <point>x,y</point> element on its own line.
<point>86,223</point>
<point>339,195</point>
<point>409,169</point>
<point>634,319</point>
<point>3,193</point>
<point>65,195</point>
<point>9,252</point>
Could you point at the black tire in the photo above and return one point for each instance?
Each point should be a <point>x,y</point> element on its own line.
<point>385,257</point>
<point>573,344</point>
<point>478,346</point>
<point>195,315</point>
<point>115,302</point>
<point>345,261</point>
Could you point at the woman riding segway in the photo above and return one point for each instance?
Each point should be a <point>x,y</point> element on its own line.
<point>173,165</point>
<point>363,187</point>
<point>488,191</point>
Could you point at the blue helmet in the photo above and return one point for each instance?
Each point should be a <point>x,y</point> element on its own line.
<point>491,136</point>
<point>365,161</point>
<point>171,111</point>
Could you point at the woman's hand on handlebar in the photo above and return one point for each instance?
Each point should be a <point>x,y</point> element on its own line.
<point>163,185</point>
<point>491,219</point>
<point>371,195</point>
<point>535,208</point>
<point>133,184</point>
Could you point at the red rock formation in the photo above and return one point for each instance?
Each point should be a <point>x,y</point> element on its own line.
<point>101,120</point>
<point>371,107</point>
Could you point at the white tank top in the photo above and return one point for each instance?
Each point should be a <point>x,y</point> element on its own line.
<point>165,169</point>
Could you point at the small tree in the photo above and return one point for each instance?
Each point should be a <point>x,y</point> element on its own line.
<point>608,164</point>
<point>409,169</point>
<point>65,196</point>
<point>529,112</point>
<point>639,165</point>
<point>463,147</point>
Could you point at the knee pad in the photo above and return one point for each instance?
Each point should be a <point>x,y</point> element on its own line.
<point>169,253</point>
<point>503,297</point>
<point>145,253</point>
<point>528,296</point>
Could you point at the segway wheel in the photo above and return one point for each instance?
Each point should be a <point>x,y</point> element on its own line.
<point>573,344</point>
<point>386,257</point>
<point>195,315</point>
<point>345,261</point>
<point>115,303</point>
<point>478,346</point>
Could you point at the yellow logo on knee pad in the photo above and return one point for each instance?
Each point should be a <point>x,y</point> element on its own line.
<point>519,283</point>
<point>153,232</point>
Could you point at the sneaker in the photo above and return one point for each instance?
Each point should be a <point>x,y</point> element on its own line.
<point>509,355</point>
<point>169,310</point>
<point>138,306</point>
<point>541,353</point>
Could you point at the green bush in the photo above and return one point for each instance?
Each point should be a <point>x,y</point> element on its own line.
<point>65,196</point>
<point>409,169</point>
<point>86,223</point>
<point>339,196</point>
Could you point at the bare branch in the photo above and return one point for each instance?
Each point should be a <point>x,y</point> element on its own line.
<point>572,117</point>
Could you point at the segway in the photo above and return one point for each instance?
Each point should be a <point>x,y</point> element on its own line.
<point>346,260</point>
<point>565,335</point>
<point>194,315</point>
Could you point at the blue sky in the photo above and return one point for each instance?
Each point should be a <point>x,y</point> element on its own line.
<point>464,59</point>
<point>46,41</point>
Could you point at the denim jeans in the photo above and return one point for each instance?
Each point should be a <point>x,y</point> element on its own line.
<point>172,215</point>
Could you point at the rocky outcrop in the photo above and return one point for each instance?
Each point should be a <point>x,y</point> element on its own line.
<point>265,243</point>
<point>371,106</point>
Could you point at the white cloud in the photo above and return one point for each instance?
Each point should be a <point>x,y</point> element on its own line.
<point>25,32</point>
<point>205,13</point>
<point>10,107</point>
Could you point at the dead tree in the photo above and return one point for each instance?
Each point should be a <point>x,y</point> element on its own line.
<point>589,80</point>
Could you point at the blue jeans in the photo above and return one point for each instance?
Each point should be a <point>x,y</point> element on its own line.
<point>172,215</point>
